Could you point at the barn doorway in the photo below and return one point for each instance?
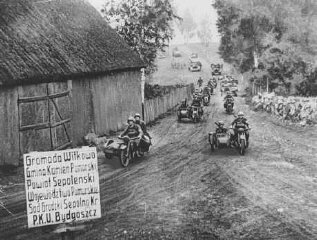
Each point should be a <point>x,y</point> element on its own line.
<point>44,117</point>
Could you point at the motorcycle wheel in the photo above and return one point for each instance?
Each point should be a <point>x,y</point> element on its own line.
<point>124,158</point>
<point>217,144</point>
<point>212,146</point>
<point>179,118</point>
<point>242,147</point>
<point>141,153</point>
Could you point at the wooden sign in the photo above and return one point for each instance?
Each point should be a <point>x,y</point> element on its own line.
<point>61,186</point>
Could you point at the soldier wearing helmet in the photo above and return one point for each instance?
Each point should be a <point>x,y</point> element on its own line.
<point>196,102</point>
<point>141,123</point>
<point>183,104</point>
<point>200,81</point>
<point>240,120</point>
<point>133,130</point>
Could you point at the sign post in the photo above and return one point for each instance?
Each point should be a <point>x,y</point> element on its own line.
<point>61,186</point>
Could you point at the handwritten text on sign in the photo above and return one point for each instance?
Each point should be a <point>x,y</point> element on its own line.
<point>61,186</point>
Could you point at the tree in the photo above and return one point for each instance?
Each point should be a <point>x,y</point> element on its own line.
<point>276,37</point>
<point>144,24</point>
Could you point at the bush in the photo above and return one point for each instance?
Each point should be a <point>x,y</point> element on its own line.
<point>153,91</point>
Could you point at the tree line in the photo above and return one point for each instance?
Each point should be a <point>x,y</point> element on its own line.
<point>275,40</point>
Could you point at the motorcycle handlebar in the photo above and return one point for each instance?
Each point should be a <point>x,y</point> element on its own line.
<point>134,138</point>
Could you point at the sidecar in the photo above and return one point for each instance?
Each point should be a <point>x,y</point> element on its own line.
<point>183,113</point>
<point>114,147</point>
<point>217,140</point>
<point>145,144</point>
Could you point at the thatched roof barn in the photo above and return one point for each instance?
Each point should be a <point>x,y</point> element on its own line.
<point>63,72</point>
<point>46,40</point>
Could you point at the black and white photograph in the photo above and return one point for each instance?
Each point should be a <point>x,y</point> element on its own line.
<point>158,119</point>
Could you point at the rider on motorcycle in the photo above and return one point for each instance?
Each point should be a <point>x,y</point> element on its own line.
<point>196,102</point>
<point>227,98</point>
<point>141,123</point>
<point>210,83</point>
<point>240,120</point>
<point>200,81</point>
<point>183,104</point>
<point>133,131</point>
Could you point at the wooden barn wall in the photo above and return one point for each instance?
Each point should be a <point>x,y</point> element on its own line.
<point>115,97</point>
<point>102,104</point>
<point>82,119</point>
<point>9,140</point>
<point>155,107</point>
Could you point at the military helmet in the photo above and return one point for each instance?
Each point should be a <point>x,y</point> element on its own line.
<point>221,123</point>
<point>240,114</point>
<point>137,115</point>
<point>131,119</point>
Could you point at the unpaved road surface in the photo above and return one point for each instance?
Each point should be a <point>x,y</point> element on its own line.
<point>182,190</point>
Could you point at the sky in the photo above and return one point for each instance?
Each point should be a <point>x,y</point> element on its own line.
<point>199,9</point>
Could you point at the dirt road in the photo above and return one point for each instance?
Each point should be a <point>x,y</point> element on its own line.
<point>182,190</point>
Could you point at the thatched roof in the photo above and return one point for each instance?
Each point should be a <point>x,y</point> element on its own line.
<point>48,40</point>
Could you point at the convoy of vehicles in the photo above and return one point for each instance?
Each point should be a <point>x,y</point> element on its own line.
<point>125,148</point>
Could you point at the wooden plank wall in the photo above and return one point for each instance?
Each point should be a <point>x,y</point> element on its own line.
<point>98,104</point>
<point>103,103</point>
<point>34,113</point>
<point>60,109</point>
<point>155,107</point>
<point>9,140</point>
<point>115,98</point>
<point>82,110</point>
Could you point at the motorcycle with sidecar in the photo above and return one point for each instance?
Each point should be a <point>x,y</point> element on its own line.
<point>191,112</point>
<point>125,148</point>
<point>222,138</point>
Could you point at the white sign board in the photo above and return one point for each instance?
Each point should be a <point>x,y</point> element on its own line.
<point>61,186</point>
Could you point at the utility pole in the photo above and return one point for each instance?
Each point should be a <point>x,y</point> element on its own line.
<point>142,91</point>
<point>143,69</point>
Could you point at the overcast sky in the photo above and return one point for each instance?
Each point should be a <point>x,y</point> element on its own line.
<point>199,9</point>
